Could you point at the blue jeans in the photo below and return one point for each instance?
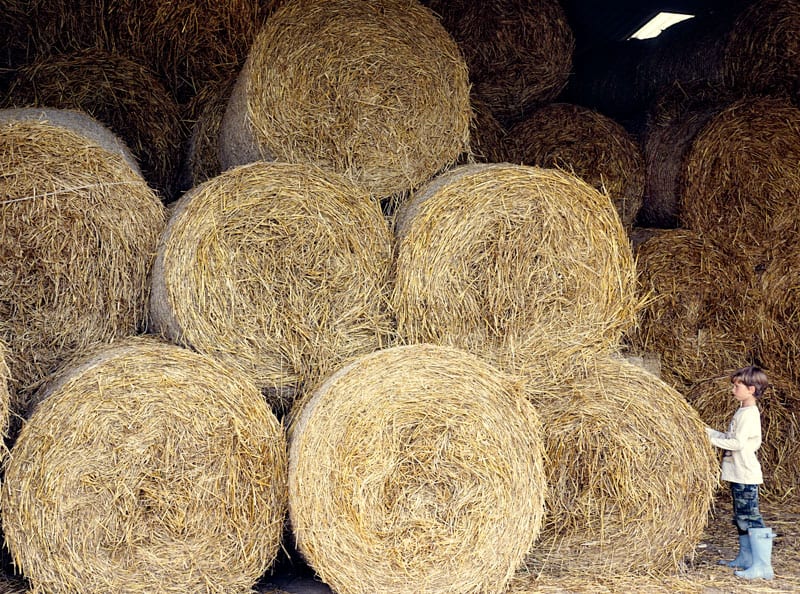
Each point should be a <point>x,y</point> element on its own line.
<point>745,507</point>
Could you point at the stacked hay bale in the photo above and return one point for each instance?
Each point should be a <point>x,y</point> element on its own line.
<point>503,260</point>
<point>519,54</point>
<point>117,91</point>
<point>5,402</point>
<point>779,453</point>
<point>187,43</point>
<point>586,143</point>
<point>741,177</point>
<point>631,473</point>
<point>487,134</point>
<point>416,468</point>
<point>388,108</point>
<point>79,229</point>
<point>674,119</point>
<point>695,314</point>
<point>144,468</point>
<point>279,269</point>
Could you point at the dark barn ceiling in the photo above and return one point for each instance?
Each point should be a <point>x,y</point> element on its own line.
<point>596,23</point>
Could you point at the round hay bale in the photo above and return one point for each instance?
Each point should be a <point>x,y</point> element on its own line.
<point>186,43</point>
<point>5,402</point>
<point>773,312</point>
<point>742,179</point>
<point>779,453</point>
<point>146,468</point>
<point>673,121</point>
<point>117,91</point>
<point>201,157</point>
<point>78,231</point>
<point>501,259</point>
<point>416,467</point>
<point>487,135</point>
<point>588,144</point>
<point>519,54</point>
<point>377,91</point>
<point>280,269</point>
<point>763,47</point>
<point>631,472</point>
<point>695,301</point>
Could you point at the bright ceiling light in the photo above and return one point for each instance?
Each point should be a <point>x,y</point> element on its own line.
<point>663,20</point>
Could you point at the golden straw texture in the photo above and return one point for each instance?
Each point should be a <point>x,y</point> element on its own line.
<point>779,453</point>
<point>375,90</point>
<point>121,93</point>
<point>416,469</point>
<point>5,402</point>
<point>695,316</point>
<point>631,472</point>
<point>78,235</point>
<point>586,143</point>
<point>519,54</point>
<point>742,180</point>
<point>280,269</point>
<point>146,468</point>
<point>503,259</point>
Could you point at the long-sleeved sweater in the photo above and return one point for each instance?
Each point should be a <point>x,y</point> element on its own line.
<point>739,463</point>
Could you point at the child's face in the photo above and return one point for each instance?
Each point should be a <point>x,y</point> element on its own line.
<point>744,394</point>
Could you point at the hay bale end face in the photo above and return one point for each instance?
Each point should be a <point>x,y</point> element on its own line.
<point>78,234</point>
<point>146,468</point>
<point>416,467</point>
<point>377,91</point>
<point>631,473</point>
<point>279,269</point>
<point>502,259</point>
<point>588,144</point>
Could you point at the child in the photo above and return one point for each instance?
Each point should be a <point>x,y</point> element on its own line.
<point>740,467</point>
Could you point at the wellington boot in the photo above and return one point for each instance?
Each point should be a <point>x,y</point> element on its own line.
<point>745,557</point>
<point>761,547</point>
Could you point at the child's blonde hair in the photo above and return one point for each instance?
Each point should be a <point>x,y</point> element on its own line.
<point>751,375</point>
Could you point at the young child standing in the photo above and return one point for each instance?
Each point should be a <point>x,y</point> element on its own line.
<point>741,468</point>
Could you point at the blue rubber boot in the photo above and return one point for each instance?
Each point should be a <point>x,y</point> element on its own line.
<point>745,557</point>
<point>761,547</point>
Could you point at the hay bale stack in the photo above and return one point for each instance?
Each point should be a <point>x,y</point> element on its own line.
<point>377,91</point>
<point>145,468</point>
<point>186,43</point>
<point>673,121</point>
<point>419,468</point>
<point>631,473</point>
<point>280,269</point>
<point>519,54</point>
<point>502,259</point>
<point>694,317</point>
<point>78,234</point>
<point>779,453</point>
<point>773,313</point>
<point>117,91</point>
<point>742,180</point>
<point>763,51</point>
<point>588,144</point>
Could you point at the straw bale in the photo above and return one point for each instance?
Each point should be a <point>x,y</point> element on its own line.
<point>416,469</point>
<point>779,453</point>
<point>117,91</point>
<point>741,180</point>
<point>146,468</point>
<point>377,91</point>
<point>205,113</point>
<point>487,134</point>
<point>588,144</point>
<point>773,313</point>
<point>631,472</point>
<point>673,120</point>
<point>763,47</point>
<point>78,234</point>
<point>519,54</point>
<point>694,317</point>
<point>5,402</point>
<point>187,43</point>
<point>500,259</point>
<point>10,585</point>
<point>280,269</point>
